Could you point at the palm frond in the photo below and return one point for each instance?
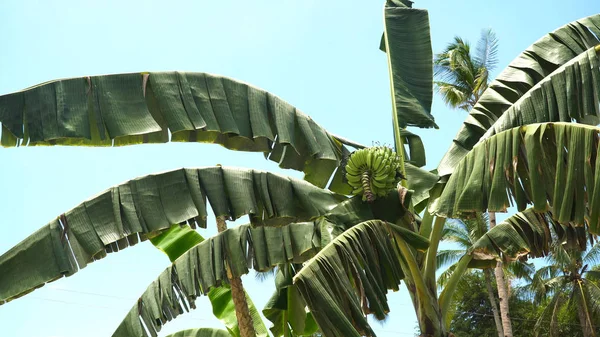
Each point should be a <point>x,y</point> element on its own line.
<point>521,270</point>
<point>593,293</point>
<point>453,94</point>
<point>455,231</point>
<point>486,54</point>
<point>446,257</point>
<point>592,256</point>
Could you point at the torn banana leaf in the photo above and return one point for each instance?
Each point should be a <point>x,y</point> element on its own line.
<point>568,94</point>
<point>519,81</point>
<point>202,268</point>
<point>124,109</point>
<point>179,239</point>
<point>407,43</point>
<point>350,277</point>
<point>202,332</point>
<point>525,234</point>
<point>554,166</point>
<point>141,208</point>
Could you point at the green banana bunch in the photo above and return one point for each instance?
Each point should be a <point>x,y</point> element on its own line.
<point>373,172</point>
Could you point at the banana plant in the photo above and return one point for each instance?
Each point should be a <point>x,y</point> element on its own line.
<point>363,220</point>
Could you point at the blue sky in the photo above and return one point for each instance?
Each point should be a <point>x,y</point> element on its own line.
<point>321,56</point>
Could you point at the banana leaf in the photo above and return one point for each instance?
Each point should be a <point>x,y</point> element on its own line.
<point>176,240</point>
<point>407,43</point>
<point>553,166</point>
<point>144,207</point>
<point>531,67</point>
<point>525,234</point>
<point>202,332</point>
<point>124,109</point>
<point>416,149</point>
<point>202,268</point>
<point>568,94</point>
<point>349,278</point>
<point>421,182</point>
<point>179,239</point>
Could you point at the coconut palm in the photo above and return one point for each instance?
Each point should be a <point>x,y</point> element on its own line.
<point>570,279</point>
<point>354,237</point>
<point>464,234</point>
<point>463,77</point>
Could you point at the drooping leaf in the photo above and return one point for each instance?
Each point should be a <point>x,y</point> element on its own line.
<point>202,268</point>
<point>410,61</point>
<point>532,66</point>
<point>349,278</point>
<point>568,94</point>
<point>525,234</point>
<point>141,208</point>
<point>421,182</point>
<point>416,149</point>
<point>551,165</point>
<point>202,332</point>
<point>140,108</point>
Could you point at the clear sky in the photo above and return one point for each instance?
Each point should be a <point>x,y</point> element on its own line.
<point>321,56</point>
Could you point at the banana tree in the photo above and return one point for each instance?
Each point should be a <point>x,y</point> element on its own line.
<point>351,230</point>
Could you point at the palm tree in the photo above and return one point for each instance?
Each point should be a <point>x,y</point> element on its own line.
<point>355,232</point>
<point>570,279</point>
<point>465,233</point>
<point>462,78</point>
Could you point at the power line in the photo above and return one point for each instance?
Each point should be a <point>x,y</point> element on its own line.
<point>391,331</point>
<point>132,299</point>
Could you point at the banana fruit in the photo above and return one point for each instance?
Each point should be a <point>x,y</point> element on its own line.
<point>373,172</point>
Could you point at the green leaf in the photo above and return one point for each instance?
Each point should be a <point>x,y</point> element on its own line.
<point>550,165</point>
<point>224,310</point>
<point>524,234</point>
<point>518,81</point>
<point>202,268</point>
<point>415,147</point>
<point>349,278</point>
<point>144,207</point>
<point>176,241</point>
<point>286,308</point>
<point>421,182</point>
<point>570,93</point>
<point>125,109</point>
<point>202,332</point>
<point>410,61</point>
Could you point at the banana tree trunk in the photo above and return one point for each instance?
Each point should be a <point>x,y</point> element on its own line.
<point>502,289</point>
<point>488,284</point>
<point>424,298</point>
<point>238,296</point>
<point>428,312</point>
